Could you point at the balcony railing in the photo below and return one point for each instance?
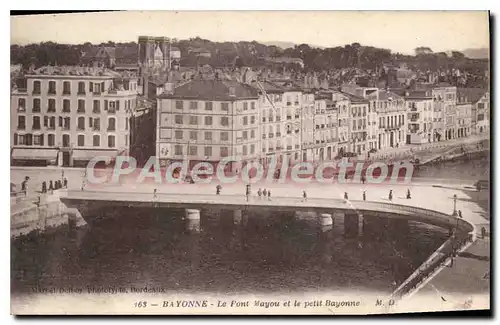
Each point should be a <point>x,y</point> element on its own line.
<point>278,118</point>
<point>288,117</point>
<point>278,134</point>
<point>264,136</point>
<point>271,135</point>
<point>288,147</point>
<point>66,92</point>
<point>51,92</point>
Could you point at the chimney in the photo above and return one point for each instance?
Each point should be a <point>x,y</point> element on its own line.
<point>169,88</point>
<point>232,91</point>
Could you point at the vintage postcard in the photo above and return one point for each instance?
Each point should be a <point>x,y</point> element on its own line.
<point>250,162</point>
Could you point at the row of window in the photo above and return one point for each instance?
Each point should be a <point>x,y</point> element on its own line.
<point>208,151</point>
<point>208,135</point>
<point>391,121</point>
<point>65,123</point>
<point>209,106</point>
<point>38,140</point>
<point>111,106</point>
<point>93,87</point>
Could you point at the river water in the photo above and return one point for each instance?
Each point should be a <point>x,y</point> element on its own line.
<point>276,255</point>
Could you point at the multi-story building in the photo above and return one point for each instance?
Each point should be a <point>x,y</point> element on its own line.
<point>444,111</point>
<point>308,125</point>
<point>480,107</point>
<point>292,105</point>
<point>464,119</point>
<point>208,120</point>
<point>70,115</point>
<point>272,127</point>
<point>342,104</point>
<point>391,111</point>
<point>420,116</point>
<point>359,125</point>
<point>325,128</point>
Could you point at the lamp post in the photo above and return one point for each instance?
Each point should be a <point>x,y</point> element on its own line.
<point>454,205</point>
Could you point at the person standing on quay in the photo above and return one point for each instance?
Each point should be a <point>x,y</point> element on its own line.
<point>408,194</point>
<point>390,195</point>
<point>44,187</point>
<point>259,192</point>
<point>65,182</point>
<point>364,195</point>
<point>264,193</point>
<point>24,186</point>
<point>269,195</point>
<point>304,196</point>
<point>51,187</point>
<point>346,197</point>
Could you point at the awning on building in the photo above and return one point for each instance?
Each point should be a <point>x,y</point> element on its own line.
<point>34,154</point>
<point>89,154</point>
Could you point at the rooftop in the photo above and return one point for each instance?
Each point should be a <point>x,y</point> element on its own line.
<point>269,87</point>
<point>388,95</point>
<point>470,95</point>
<point>354,98</point>
<point>78,71</point>
<point>219,90</point>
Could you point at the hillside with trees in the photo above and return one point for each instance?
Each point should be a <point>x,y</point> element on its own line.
<point>254,54</point>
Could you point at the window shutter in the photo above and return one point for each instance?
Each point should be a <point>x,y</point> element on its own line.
<point>117,105</point>
<point>105,104</point>
<point>102,86</point>
<point>41,139</point>
<point>91,87</point>
<point>60,121</point>
<point>90,122</point>
<point>45,120</point>
<point>15,139</point>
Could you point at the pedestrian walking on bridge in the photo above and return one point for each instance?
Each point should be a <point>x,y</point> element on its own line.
<point>408,194</point>
<point>217,189</point>
<point>346,197</point>
<point>248,192</point>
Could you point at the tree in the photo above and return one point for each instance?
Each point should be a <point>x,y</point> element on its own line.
<point>457,55</point>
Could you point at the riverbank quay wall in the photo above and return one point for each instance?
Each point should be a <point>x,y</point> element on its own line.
<point>30,216</point>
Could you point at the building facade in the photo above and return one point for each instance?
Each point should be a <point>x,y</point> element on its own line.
<point>391,111</point>
<point>208,120</point>
<point>272,121</point>
<point>444,111</point>
<point>342,104</point>
<point>464,119</point>
<point>70,115</point>
<point>480,108</point>
<point>420,117</point>
<point>325,129</point>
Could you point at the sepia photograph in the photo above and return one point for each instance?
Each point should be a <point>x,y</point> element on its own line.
<point>250,162</point>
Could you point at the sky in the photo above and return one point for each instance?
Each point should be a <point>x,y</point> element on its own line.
<point>395,30</point>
